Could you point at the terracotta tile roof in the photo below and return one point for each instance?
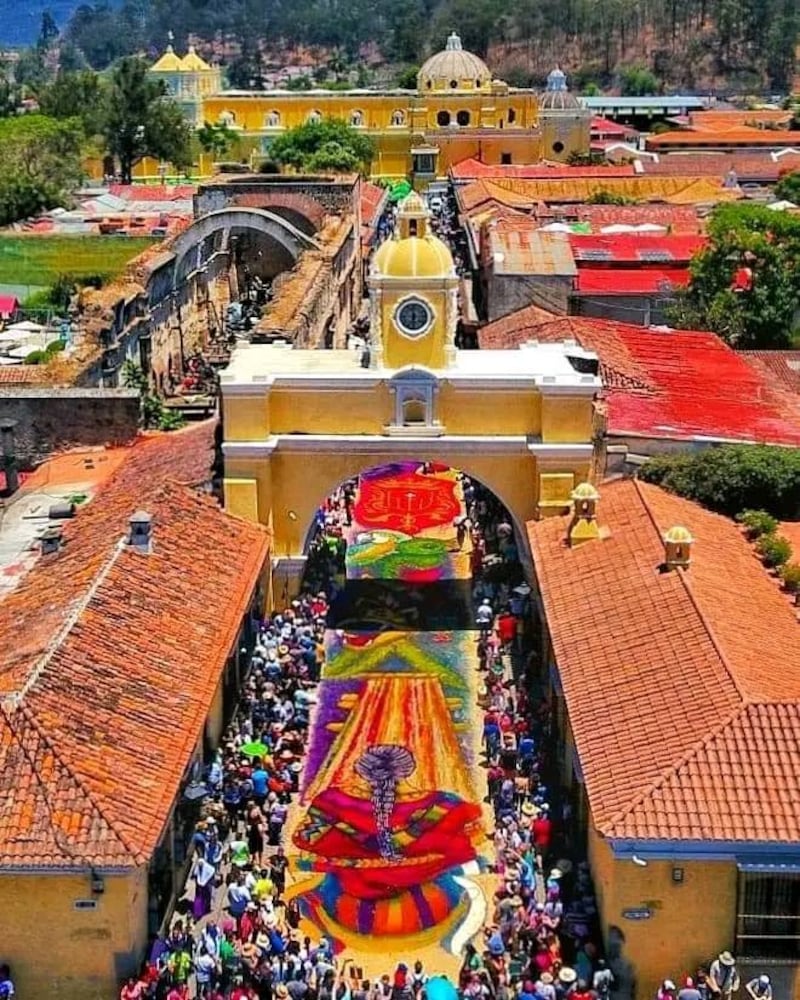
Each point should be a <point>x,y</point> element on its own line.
<point>781,367</point>
<point>684,729</point>
<point>630,281</point>
<point>744,137</point>
<point>22,374</point>
<point>527,194</point>
<point>676,218</point>
<point>763,166</point>
<point>727,119</point>
<point>472,169</point>
<point>677,384</point>
<point>116,655</point>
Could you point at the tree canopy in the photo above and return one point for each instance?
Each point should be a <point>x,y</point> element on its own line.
<point>40,164</point>
<point>744,283</point>
<point>731,479</point>
<point>141,120</point>
<point>788,187</point>
<point>327,145</point>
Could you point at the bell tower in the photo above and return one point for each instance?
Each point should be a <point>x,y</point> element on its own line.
<point>413,295</point>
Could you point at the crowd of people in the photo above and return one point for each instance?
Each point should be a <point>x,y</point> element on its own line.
<point>238,936</point>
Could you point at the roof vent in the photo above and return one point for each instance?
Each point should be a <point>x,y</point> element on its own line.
<point>141,524</point>
<point>583,526</point>
<point>677,548</point>
<point>50,540</point>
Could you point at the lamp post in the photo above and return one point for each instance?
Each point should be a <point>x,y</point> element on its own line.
<point>291,517</point>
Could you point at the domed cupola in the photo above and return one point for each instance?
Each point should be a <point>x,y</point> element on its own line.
<point>557,96</point>
<point>454,69</point>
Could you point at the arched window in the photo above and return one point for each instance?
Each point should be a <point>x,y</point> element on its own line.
<point>415,411</point>
<point>443,119</point>
<point>273,119</point>
<point>357,119</point>
<point>463,118</point>
<point>512,116</point>
<point>227,118</point>
<point>398,117</point>
<point>315,117</point>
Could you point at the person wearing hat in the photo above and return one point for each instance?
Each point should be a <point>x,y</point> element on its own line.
<point>760,988</point>
<point>723,976</point>
<point>566,983</point>
<point>666,990</point>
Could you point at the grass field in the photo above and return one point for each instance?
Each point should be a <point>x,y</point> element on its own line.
<point>38,260</point>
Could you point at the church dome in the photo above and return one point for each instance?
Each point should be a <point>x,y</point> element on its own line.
<point>168,63</point>
<point>192,63</point>
<point>557,96</point>
<point>413,257</point>
<point>454,69</point>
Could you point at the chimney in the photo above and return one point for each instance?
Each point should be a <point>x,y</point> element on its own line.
<point>9,458</point>
<point>51,540</point>
<point>583,526</point>
<point>141,529</point>
<point>677,548</point>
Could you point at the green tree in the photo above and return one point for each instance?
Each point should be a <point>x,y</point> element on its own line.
<point>407,78</point>
<point>48,32</point>
<point>102,34</point>
<point>142,121</point>
<point>216,139</point>
<point>76,95</point>
<point>40,164</point>
<point>788,187</point>
<point>638,81</point>
<point>762,246</point>
<point>330,144</point>
<point>30,72</point>
<point>733,478</point>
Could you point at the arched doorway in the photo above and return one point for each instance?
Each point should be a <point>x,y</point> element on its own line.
<point>390,825</point>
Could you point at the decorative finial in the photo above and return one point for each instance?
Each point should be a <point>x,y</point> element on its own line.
<point>453,42</point>
<point>170,36</point>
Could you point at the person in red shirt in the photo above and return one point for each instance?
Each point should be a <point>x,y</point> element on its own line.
<point>132,990</point>
<point>507,628</point>
<point>582,991</point>
<point>542,832</point>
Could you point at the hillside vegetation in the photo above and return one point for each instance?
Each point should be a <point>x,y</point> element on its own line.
<point>741,44</point>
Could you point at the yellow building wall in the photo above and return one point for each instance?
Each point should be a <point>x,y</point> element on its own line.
<point>564,134</point>
<point>55,950</point>
<point>246,418</point>
<point>489,411</point>
<point>428,351</point>
<point>350,411</point>
<point>566,419</point>
<point>691,923</point>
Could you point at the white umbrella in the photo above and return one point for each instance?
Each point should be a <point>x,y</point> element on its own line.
<point>26,326</point>
<point>556,227</point>
<point>20,352</point>
<point>14,336</point>
<point>650,227</point>
<point>781,206</point>
<point>10,361</point>
<point>618,227</point>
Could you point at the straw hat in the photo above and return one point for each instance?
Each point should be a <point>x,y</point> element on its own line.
<point>281,991</point>
<point>726,958</point>
<point>567,975</point>
<point>528,809</point>
<point>556,874</point>
<point>546,978</point>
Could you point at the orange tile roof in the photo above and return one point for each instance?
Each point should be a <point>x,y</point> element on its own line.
<point>22,374</point>
<point>780,367</point>
<point>724,120</point>
<point>684,728</point>
<point>115,657</point>
<point>735,136</point>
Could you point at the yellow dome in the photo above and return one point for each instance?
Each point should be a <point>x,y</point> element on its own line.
<point>585,491</point>
<point>168,63</point>
<point>192,63</point>
<point>678,535</point>
<point>454,69</point>
<point>414,257</point>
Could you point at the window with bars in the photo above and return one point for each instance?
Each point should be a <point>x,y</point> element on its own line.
<point>768,915</point>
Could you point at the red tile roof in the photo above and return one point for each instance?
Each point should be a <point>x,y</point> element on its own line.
<point>676,218</point>
<point>112,659</point>
<point>153,192</point>
<point>643,248</point>
<point>677,384</point>
<point>684,729</point>
<point>627,281</point>
<point>8,304</point>
<point>764,166</point>
<point>22,374</point>
<point>781,367</point>
<point>472,169</point>
<point>606,127</point>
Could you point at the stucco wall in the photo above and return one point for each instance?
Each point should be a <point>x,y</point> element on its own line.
<point>55,950</point>
<point>47,419</point>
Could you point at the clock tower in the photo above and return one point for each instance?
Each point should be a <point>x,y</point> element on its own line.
<point>413,295</point>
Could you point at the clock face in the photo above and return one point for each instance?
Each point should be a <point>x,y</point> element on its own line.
<point>413,317</point>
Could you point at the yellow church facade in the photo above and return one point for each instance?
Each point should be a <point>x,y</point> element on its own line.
<point>297,423</point>
<point>458,111</point>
